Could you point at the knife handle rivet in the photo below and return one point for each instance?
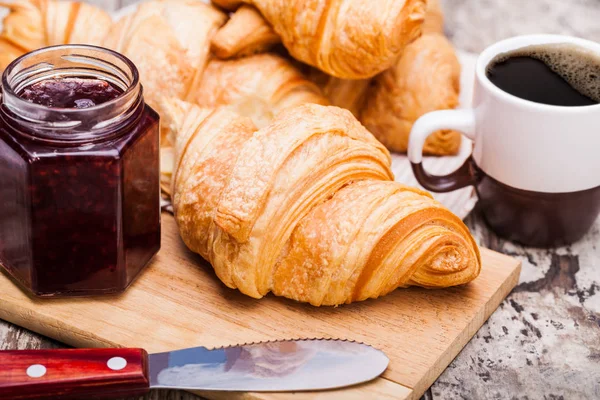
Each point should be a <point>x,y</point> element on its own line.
<point>36,371</point>
<point>117,363</point>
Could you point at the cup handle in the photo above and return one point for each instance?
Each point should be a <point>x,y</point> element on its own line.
<point>462,120</point>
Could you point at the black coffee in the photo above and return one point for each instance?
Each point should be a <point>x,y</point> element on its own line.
<point>555,74</point>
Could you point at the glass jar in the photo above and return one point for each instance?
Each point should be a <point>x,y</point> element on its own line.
<point>79,188</point>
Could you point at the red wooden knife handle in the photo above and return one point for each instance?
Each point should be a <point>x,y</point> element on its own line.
<point>73,373</point>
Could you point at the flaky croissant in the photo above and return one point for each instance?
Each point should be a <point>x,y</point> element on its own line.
<point>434,18</point>
<point>426,78</point>
<point>169,41</point>
<point>351,94</point>
<point>352,39</point>
<point>32,24</point>
<point>306,208</point>
<point>246,33</point>
<point>258,87</point>
<point>344,93</point>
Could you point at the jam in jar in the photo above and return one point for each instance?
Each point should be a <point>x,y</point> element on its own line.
<point>79,172</point>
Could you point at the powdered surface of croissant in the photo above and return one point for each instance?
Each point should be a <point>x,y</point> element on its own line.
<point>306,207</point>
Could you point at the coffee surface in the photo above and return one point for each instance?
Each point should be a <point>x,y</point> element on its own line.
<point>554,74</point>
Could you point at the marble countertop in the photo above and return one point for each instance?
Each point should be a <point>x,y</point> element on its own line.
<point>544,340</point>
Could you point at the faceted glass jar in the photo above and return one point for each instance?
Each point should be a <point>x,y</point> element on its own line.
<point>79,188</point>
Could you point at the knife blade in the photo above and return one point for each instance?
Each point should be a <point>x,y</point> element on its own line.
<point>288,365</point>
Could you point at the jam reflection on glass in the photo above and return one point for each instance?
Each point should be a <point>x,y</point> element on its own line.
<point>78,217</point>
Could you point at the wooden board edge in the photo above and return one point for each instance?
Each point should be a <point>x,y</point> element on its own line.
<point>400,391</point>
<point>474,325</point>
<point>51,327</point>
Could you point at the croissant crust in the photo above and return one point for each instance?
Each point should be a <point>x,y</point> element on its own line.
<point>32,24</point>
<point>352,39</point>
<point>258,86</point>
<point>426,78</point>
<point>244,34</point>
<point>434,18</point>
<point>306,208</point>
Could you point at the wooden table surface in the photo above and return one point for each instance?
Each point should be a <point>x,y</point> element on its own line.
<point>544,340</point>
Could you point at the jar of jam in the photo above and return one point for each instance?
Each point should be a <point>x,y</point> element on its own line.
<point>79,172</point>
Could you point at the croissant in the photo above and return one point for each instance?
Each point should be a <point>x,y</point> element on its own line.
<point>173,113</point>
<point>344,93</point>
<point>426,78</point>
<point>306,208</point>
<point>244,34</point>
<point>434,18</point>
<point>32,24</point>
<point>353,39</point>
<point>169,41</point>
<point>259,87</point>
<point>8,53</point>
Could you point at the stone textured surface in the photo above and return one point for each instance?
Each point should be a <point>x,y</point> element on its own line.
<point>544,340</point>
<point>474,24</point>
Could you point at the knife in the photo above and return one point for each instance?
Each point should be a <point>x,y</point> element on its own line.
<point>288,365</point>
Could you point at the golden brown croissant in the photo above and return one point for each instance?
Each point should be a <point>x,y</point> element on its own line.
<point>352,39</point>
<point>426,78</point>
<point>246,33</point>
<point>169,41</point>
<point>8,53</point>
<point>345,93</point>
<point>230,5</point>
<point>259,86</point>
<point>32,24</point>
<point>434,18</point>
<point>173,113</point>
<point>370,238</point>
<point>305,207</point>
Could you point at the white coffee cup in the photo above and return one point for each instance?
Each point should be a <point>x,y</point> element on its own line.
<point>536,167</point>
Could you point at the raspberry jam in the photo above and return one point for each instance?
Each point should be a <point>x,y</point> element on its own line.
<point>79,172</point>
<point>76,92</point>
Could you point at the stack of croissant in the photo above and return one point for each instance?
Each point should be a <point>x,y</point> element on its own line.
<point>273,178</point>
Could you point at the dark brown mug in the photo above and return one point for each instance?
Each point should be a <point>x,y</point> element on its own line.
<point>535,167</point>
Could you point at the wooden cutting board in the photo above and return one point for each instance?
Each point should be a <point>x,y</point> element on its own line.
<point>178,302</point>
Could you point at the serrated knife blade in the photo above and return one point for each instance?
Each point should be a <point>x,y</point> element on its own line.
<point>288,365</point>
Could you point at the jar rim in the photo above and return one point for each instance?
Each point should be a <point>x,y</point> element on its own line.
<point>35,116</point>
<point>7,87</point>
